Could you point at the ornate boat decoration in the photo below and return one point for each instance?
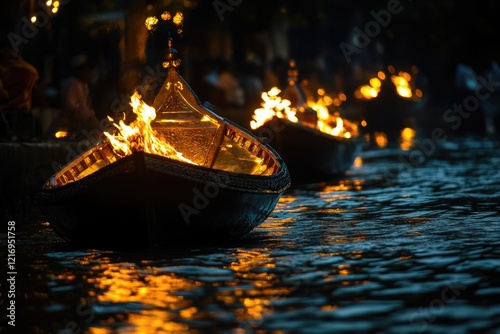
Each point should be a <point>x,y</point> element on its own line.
<point>316,144</point>
<point>177,173</point>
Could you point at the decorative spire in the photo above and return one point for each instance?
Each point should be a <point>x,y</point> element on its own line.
<point>172,57</point>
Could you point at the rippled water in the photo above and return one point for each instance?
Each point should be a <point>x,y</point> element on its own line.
<point>390,248</point>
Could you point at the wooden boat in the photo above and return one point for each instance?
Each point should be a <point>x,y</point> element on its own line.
<point>310,154</point>
<point>222,183</point>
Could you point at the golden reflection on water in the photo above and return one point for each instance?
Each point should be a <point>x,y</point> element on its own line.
<point>152,301</point>
<point>154,291</point>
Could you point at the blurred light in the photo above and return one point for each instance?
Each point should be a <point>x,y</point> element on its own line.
<point>178,18</point>
<point>166,16</point>
<point>54,10</point>
<point>151,22</point>
<point>61,134</point>
<point>381,139</point>
<point>56,4</point>
<point>49,3</point>
<point>33,19</point>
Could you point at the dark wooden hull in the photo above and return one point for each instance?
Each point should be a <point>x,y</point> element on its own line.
<point>145,200</point>
<point>309,154</point>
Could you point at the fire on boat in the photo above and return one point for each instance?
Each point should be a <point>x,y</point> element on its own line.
<point>176,173</point>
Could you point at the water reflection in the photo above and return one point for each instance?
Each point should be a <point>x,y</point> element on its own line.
<point>358,254</point>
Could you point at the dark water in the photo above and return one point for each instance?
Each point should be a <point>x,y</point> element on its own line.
<point>390,248</point>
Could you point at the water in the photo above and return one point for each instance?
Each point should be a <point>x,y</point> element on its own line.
<point>390,248</point>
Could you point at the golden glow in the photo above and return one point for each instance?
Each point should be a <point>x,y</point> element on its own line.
<point>402,82</point>
<point>166,16</point>
<point>381,139</point>
<point>139,135</point>
<point>358,162</point>
<point>54,10</point>
<point>49,3</point>
<point>275,106</point>
<point>158,293</point>
<point>272,106</point>
<point>369,91</point>
<point>407,138</point>
<point>178,19</point>
<point>151,22</point>
<point>364,123</point>
<point>61,134</point>
<point>33,19</point>
<point>56,4</point>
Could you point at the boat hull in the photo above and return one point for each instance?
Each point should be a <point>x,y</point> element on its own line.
<point>145,200</point>
<point>308,153</point>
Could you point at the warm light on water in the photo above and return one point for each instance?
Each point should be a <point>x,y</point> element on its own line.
<point>388,248</point>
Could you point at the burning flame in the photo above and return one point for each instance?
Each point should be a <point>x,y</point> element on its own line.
<point>401,81</point>
<point>151,22</point>
<point>272,106</point>
<point>139,135</point>
<point>275,106</point>
<point>177,19</point>
<point>332,125</point>
<point>61,134</point>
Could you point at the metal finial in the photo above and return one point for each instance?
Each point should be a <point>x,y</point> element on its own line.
<point>172,57</point>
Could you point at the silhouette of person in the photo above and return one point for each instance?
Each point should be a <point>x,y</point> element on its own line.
<point>17,79</point>
<point>78,113</point>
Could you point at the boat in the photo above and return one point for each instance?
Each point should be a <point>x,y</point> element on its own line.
<point>311,155</point>
<point>316,144</point>
<point>211,180</point>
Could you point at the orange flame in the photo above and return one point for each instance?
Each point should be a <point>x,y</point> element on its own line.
<point>331,124</point>
<point>272,106</point>
<point>139,135</point>
<point>402,82</point>
<point>275,106</point>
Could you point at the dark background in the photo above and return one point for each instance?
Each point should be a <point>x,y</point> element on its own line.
<point>433,35</point>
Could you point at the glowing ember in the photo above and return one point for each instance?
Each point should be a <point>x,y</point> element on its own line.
<point>139,135</point>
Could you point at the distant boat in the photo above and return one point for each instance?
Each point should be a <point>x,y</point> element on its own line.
<point>312,155</point>
<point>315,145</point>
<point>218,181</point>
<point>391,101</point>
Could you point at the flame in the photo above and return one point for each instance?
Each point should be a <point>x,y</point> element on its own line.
<point>139,135</point>
<point>275,106</point>
<point>151,22</point>
<point>272,106</point>
<point>61,134</point>
<point>402,81</point>
<point>402,84</point>
<point>371,90</point>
